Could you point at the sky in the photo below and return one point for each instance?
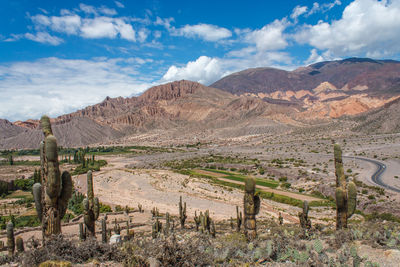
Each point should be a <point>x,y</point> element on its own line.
<point>59,56</point>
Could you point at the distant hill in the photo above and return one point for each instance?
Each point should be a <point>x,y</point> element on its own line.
<point>331,88</point>
<point>185,105</point>
<point>385,119</point>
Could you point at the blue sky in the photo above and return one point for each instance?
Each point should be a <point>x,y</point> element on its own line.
<point>59,56</point>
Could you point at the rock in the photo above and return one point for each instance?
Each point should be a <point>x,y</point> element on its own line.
<point>115,239</point>
<point>153,262</point>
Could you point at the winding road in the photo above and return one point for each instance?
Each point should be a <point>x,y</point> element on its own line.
<point>377,176</point>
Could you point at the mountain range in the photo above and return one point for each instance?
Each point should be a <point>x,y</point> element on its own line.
<point>253,100</point>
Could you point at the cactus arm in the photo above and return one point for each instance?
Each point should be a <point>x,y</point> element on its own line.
<point>53,185</point>
<point>66,193</point>
<point>37,195</point>
<point>10,239</point>
<point>257,204</point>
<point>46,125</point>
<point>96,208</point>
<point>351,199</point>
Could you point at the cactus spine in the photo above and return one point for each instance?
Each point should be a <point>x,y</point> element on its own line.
<point>182,212</point>
<point>251,203</point>
<point>51,197</point>
<point>305,222</point>
<point>10,239</point>
<point>346,192</point>
<point>91,206</point>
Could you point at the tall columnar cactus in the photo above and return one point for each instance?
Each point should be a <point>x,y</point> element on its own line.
<point>346,192</point>
<point>91,206</point>
<point>167,223</point>
<point>182,212</point>
<point>197,221</point>
<point>156,228</point>
<point>305,222</point>
<point>239,219</point>
<point>52,195</point>
<point>104,230</point>
<point>251,203</point>
<point>10,239</point>
<point>20,244</point>
<point>82,232</point>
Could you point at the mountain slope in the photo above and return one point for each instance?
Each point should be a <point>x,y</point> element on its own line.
<point>325,89</point>
<point>8,129</point>
<point>385,119</point>
<point>181,106</point>
<point>76,132</point>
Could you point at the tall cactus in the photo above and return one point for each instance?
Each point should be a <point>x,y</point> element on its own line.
<point>346,192</point>
<point>52,195</point>
<point>238,219</point>
<point>251,203</point>
<point>10,239</point>
<point>182,212</point>
<point>305,222</point>
<point>91,206</point>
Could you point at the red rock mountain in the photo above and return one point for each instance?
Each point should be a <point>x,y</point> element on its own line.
<point>178,105</point>
<point>325,89</point>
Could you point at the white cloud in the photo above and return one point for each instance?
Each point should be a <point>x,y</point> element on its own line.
<point>324,7</point>
<point>119,4</point>
<point>87,9</point>
<point>142,34</point>
<point>204,70</point>
<point>100,27</point>
<point>207,70</point>
<point>64,85</point>
<point>69,24</point>
<point>97,27</point>
<point>43,37</point>
<point>107,11</point>
<point>269,37</point>
<point>206,32</point>
<point>367,27</point>
<point>164,22</point>
<point>314,57</point>
<point>298,11</point>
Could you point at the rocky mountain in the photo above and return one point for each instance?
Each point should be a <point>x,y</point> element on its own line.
<point>8,129</point>
<point>325,89</point>
<point>181,105</point>
<point>75,132</point>
<point>385,119</point>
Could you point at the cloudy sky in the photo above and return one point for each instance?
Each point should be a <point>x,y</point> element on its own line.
<point>59,56</point>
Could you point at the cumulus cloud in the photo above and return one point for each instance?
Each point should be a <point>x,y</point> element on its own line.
<point>269,37</point>
<point>43,37</point>
<point>97,27</point>
<point>97,10</point>
<point>207,32</point>
<point>298,11</point>
<point>204,70</point>
<point>323,7</point>
<point>207,70</point>
<point>367,27</point>
<point>65,85</point>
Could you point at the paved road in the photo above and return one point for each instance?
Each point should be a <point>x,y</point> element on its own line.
<point>377,176</point>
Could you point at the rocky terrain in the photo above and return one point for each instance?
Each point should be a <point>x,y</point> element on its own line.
<point>362,93</point>
<point>324,89</point>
